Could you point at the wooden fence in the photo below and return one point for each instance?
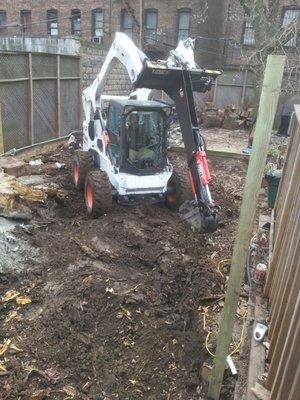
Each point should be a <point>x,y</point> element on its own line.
<point>283,281</point>
<point>40,97</point>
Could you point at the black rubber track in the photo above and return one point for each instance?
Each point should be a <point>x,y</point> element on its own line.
<point>102,193</point>
<point>85,163</point>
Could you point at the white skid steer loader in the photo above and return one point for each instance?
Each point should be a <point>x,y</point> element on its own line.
<point>124,155</point>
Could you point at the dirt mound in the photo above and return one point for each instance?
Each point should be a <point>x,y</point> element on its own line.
<point>115,301</point>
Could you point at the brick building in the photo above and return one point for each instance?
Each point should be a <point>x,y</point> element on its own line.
<point>239,31</point>
<point>225,35</point>
<point>242,41</point>
<point>163,22</point>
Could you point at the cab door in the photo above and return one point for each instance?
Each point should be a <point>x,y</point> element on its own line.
<point>113,127</point>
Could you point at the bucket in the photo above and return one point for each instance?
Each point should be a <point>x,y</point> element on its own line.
<point>273,179</point>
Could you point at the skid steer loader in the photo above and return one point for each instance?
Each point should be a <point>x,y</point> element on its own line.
<point>124,155</point>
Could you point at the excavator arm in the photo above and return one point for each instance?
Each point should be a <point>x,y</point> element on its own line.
<point>179,77</point>
<point>180,83</point>
<point>124,50</point>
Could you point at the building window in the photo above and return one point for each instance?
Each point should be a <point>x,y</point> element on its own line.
<point>184,21</point>
<point>25,17</point>
<point>97,25</point>
<point>150,26</point>
<point>127,23</point>
<point>52,22</point>
<point>2,21</point>
<point>248,33</point>
<point>289,16</point>
<point>76,22</point>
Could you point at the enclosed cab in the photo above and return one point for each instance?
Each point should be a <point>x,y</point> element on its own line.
<point>137,136</point>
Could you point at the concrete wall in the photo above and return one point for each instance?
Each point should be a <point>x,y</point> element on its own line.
<point>67,46</point>
<point>92,56</point>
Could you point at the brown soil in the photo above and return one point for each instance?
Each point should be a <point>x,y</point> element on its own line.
<point>119,318</point>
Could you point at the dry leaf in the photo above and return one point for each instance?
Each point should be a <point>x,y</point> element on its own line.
<point>40,394</point>
<point>10,295</point>
<point>2,368</point>
<point>13,347</point>
<point>5,346</point>
<point>70,390</point>
<point>11,315</point>
<point>22,300</point>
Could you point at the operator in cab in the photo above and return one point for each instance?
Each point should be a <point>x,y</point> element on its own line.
<point>139,140</point>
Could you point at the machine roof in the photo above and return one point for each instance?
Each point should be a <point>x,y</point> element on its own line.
<point>137,103</point>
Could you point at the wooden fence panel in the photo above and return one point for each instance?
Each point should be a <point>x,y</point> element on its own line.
<point>288,189</point>
<point>283,281</point>
<point>285,361</point>
<point>290,160</point>
<point>39,97</point>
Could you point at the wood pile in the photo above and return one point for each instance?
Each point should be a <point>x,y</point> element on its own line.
<point>230,117</point>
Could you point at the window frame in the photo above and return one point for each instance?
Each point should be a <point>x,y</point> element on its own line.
<point>75,13</point>
<point>24,27</point>
<point>96,38</point>
<point>123,29</point>
<point>147,39</point>
<point>3,28</point>
<point>296,38</point>
<point>51,21</point>
<point>181,11</point>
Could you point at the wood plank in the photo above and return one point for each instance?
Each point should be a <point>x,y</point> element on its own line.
<point>281,376</point>
<point>282,266</point>
<point>244,88</point>
<point>277,340</point>
<point>288,166</point>
<point>215,91</point>
<point>271,238</point>
<point>257,350</point>
<point>1,134</point>
<point>13,80</point>
<point>262,134</point>
<point>281,223</point>
<point>216,153</point>
<point>295,390</point>
<point>287,218</point>
<point>289,277</point>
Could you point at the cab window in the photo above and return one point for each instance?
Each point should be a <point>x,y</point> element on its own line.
<point>113,128</point>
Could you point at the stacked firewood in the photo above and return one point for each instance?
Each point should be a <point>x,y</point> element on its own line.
<point>230,117</point>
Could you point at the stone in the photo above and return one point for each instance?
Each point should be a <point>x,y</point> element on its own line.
<point>12,166</point>
<point>206,372</point>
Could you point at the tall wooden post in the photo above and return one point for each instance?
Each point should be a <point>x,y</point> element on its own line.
<point>265,120</point>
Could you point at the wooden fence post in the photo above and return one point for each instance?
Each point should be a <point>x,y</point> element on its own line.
<point>30,99</point>
<point>58,124</point>
<point>1,134</point>
<point>266,113</point>
<point>215,92</point>
<point>244,88</point>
